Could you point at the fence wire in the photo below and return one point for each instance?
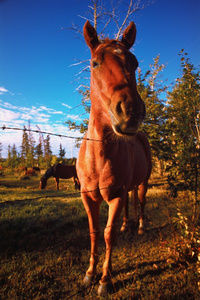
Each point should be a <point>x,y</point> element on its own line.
<point>50,133</point>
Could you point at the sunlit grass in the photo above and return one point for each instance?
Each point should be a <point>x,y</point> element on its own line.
<point>45,246</point>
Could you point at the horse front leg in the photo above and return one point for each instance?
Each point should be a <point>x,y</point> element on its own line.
<point>92,210</point>
<point>115,207</point>
<point>142,199</point>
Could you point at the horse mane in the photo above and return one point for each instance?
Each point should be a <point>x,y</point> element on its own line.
<point>50,172</point>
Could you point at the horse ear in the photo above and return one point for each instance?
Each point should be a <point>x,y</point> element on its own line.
<point>90,36</point>
<point>129,35</point>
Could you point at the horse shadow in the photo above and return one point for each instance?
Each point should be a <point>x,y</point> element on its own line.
<point>119,284</point>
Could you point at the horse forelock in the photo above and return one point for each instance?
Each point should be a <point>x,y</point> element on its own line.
<point>113,45</point>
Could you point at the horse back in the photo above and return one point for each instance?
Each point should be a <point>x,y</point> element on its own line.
<point>64,171</point>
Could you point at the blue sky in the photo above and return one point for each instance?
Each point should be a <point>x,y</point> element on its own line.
<point>37,79</point>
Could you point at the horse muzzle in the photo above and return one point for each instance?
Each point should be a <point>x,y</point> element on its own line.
<point>127,123</point>
<point>129,128</point>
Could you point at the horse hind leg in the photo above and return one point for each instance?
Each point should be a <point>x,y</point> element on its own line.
<point>125,225</point>
<point>142,199</point>
<point>57,183</point>
<point>134,199</point>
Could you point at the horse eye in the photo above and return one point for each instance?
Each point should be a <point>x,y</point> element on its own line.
<point>95,64</point>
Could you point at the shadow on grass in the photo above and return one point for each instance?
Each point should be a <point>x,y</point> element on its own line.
<point>31,225</point>
<point>119,284</point>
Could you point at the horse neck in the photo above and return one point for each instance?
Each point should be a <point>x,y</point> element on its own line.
<point>49,173</point>
<point>99,123</point>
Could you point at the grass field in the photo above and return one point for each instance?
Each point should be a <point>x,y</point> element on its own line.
<point>45,245</point>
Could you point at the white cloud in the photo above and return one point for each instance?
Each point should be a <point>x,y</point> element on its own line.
<point>73,117</point>
<point>68,106</point>
<point>51,110</point>
<point>7,115</point>
<point>8,105</point>
<point>3,90</point>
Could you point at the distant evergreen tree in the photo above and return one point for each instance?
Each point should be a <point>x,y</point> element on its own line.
<point>13,158</point>
<point>27,147</point>
<point>61,153</point>
<point>1,148</point>
<point>24,147</point>
<point>31,147</point>
<point>47,151</point>
<point>9,157</point>
<point>39,154</point>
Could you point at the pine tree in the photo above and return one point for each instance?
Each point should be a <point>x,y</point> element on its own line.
<point>1,148</point>
<point>9,157</point>
<point>38,151</point>
<point>183,123</point>
<point>31,147</point>
<point>47,151</point>
<point>24,147</point>
<point>61,153</point>
<point>14,157</point>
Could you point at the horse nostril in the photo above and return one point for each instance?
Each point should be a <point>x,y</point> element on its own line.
<point>119,107</point>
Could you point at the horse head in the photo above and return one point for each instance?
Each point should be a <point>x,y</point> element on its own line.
<point>114,94</point>
<point>43,183</point>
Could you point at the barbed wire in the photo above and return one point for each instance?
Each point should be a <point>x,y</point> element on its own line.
<point>4,127</point>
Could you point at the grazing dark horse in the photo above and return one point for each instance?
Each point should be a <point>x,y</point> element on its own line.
<point>36,169</point>
<point>60,171</point>
<point>113,156</point>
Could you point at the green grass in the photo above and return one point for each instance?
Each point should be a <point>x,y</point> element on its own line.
<point>45,246</point>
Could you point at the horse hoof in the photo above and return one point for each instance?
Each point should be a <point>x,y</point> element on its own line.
<point>141,231</point>
<point>104,289</point>
<point>88,279</point>
<point>124,228</point>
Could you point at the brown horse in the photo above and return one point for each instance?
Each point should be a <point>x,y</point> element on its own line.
<point>114,157</point>
<point>60,171</point>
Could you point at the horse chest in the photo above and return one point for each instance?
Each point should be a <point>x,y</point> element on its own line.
<point>126,165</point>
<point>112,166</point>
